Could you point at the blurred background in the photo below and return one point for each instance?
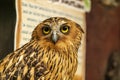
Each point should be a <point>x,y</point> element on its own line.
<point>103,34</point>
<point>7,26</point>
<point>103,38</point>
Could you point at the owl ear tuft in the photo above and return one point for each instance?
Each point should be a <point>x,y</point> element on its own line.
<point>80,28</point>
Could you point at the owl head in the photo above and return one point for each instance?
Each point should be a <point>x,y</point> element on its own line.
<point>58,32</point>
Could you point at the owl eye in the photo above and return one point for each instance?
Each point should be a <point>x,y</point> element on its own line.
<point>64,29</point>
<point>46,30</point>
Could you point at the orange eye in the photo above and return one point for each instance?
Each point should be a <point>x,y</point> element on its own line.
<point>46,30</point>
<point>64,29</point>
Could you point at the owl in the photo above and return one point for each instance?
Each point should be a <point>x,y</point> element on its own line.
<point>51,53</point>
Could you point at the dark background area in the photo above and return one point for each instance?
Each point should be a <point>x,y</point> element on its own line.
<point>7,26</point>
<point>103,35</point>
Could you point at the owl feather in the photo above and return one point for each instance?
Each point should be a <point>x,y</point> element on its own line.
<point>51,54</point>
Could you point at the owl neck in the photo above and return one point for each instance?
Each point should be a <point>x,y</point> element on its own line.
<point>68,50</point>
<point>60,62</point>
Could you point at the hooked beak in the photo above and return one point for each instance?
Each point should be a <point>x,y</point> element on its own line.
<point>54,37</point>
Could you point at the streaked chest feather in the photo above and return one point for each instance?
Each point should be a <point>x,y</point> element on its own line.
<point>33,62</point>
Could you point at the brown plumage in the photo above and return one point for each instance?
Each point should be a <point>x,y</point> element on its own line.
<point>51,53</point>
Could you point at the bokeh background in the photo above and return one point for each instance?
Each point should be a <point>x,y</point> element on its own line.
<point>103,38</point>
<point>7,26</point>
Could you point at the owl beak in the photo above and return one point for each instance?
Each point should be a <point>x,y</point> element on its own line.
<point>54,37</point>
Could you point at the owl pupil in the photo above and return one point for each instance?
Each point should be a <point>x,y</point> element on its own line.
<point>46,29</point>
<point>64,28</point>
